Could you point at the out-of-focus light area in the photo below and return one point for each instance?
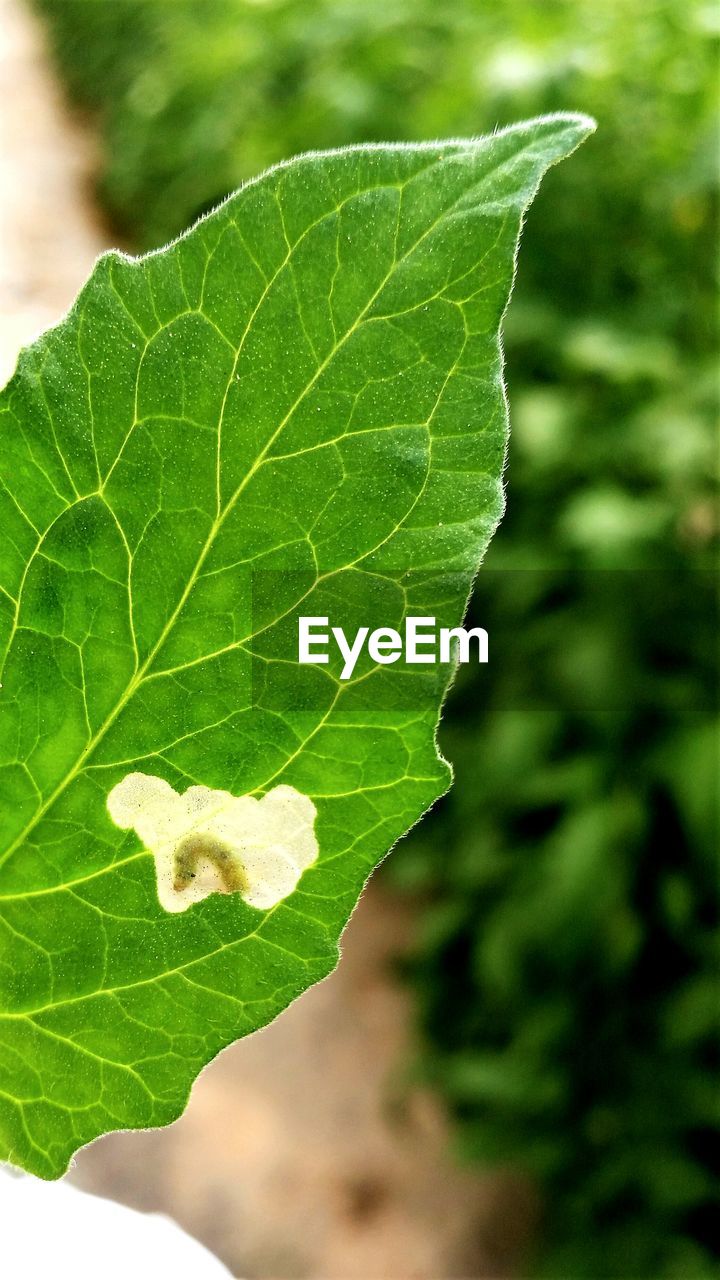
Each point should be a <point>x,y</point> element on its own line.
<point>562,969</point>
<point>92,1236</point>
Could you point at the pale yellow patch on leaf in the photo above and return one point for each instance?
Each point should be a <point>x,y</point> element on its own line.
<point>208,841</point>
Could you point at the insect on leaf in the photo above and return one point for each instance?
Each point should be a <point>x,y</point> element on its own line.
<point>297,409</point>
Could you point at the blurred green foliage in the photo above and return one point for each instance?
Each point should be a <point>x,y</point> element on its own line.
<point>567,974</point>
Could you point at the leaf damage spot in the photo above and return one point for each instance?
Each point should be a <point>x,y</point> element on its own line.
<point>208,841</point>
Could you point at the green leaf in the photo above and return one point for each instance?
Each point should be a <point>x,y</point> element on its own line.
<point>296,409</point>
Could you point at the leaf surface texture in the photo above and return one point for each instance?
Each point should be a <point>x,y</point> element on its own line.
<point>297,408</point>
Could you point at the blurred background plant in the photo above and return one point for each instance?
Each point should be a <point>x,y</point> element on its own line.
<point>566,977</point>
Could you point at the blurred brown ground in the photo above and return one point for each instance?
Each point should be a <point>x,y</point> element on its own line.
<point>302,1153</point>
<point>49,232</point>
